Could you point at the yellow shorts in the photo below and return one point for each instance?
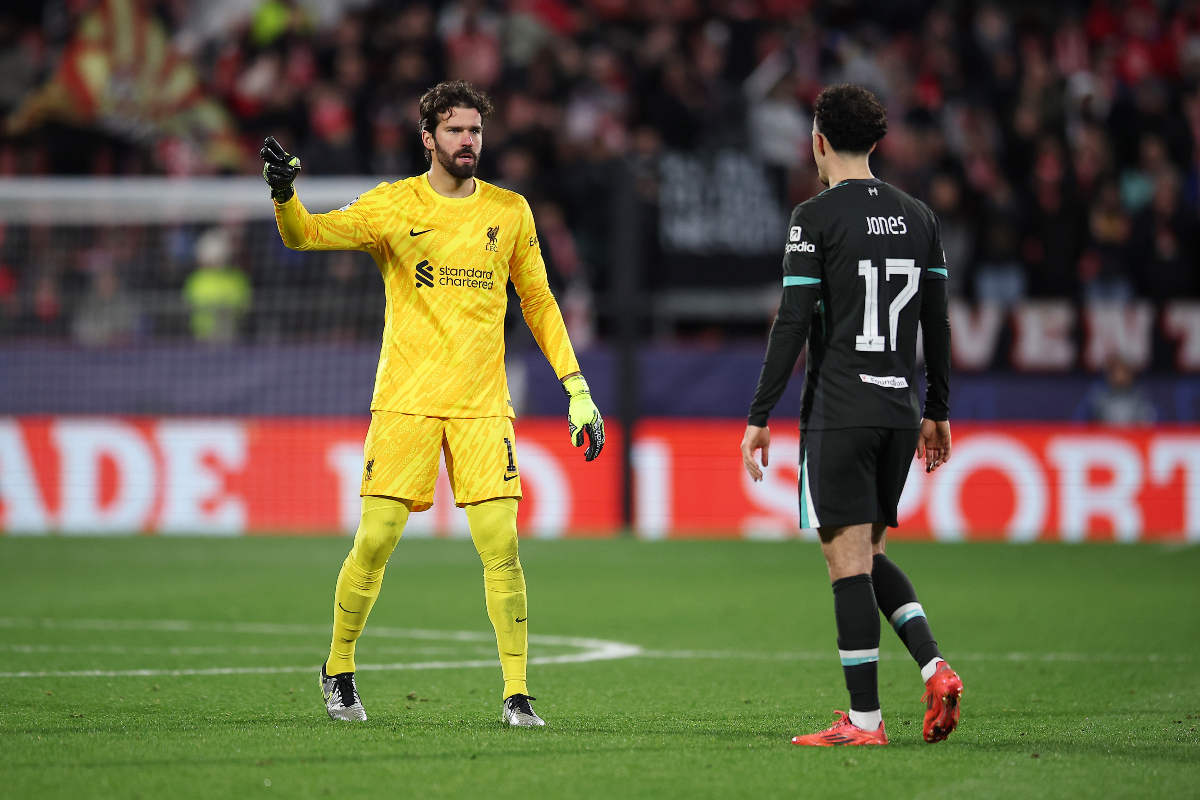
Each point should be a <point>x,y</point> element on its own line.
<point>401,458</point>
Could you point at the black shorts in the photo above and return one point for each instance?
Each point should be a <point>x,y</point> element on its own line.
<point>853,476</point>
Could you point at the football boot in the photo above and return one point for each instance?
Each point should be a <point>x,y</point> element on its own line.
<point>942,699</point>
<point>518,712</point>
<point>341,697</point>
<point>843,732</point>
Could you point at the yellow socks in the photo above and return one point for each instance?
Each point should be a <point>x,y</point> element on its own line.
<point>494,531</point>
<point>359,581</point>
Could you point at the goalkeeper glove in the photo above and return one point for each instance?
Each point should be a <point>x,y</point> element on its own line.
<point>280,169</point>
<point>582,415</point>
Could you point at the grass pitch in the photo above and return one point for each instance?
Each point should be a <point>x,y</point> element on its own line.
<point>1081,665</point>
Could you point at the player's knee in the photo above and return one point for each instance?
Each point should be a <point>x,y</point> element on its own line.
<point>494,530</point>
<point>379,531</point>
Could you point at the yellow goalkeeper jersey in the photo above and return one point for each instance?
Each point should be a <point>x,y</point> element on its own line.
<point>446,263</point>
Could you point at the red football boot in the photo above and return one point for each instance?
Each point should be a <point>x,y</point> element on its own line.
<point>843,732</point>
<point>943,694</point>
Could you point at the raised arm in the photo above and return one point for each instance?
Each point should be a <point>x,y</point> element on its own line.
<point>348,228</point>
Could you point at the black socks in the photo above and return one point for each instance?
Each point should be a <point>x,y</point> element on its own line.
<point>898,602</point>
<point>857,616</point>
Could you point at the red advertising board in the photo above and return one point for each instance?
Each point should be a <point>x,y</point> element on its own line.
<point>227,476</point>
<point>1007,482</point>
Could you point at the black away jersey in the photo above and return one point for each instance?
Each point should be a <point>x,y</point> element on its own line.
<point>868,250</point>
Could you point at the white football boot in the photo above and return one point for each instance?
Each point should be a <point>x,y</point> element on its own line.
<point>518,712</point>
<point>341,697</point>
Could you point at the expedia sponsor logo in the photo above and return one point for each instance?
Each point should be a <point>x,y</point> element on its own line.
<point>801,247</point>
<point>794,234</point>
<point>424,274</point>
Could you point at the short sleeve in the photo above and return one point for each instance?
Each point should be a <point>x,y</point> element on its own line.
<point>803,254</point>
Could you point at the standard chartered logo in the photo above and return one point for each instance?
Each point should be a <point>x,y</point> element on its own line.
<point>470,278</point>
<point>466,278</point>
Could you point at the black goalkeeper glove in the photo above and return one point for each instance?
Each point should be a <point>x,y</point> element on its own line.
<point>280,170</point>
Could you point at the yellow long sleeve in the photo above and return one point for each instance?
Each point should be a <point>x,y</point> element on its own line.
<point>348,228</point>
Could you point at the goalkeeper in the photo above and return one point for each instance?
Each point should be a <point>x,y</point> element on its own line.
<point>447,245</point>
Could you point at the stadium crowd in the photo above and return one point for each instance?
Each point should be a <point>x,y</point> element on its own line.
<point>1057,142</point>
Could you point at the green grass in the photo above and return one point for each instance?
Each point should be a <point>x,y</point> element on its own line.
<point>1100,716</point>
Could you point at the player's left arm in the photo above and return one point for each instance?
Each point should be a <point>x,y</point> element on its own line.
<point>934,442</point>
<point>527,270</point>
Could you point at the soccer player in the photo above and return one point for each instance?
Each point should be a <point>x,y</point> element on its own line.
<point>447,245</point>
<point>863,264</point>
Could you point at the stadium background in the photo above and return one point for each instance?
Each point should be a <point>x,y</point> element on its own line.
<point>166,365</point>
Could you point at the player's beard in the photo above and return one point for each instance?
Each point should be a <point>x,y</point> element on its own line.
<point>450,162</point>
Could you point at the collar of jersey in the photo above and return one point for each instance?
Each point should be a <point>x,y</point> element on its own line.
<point>864,181</point>
<point>443,199</point>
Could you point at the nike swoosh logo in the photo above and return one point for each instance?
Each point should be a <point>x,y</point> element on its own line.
<point>510,477</point>
<point>415,232</point>
<point>522,620</point>
<point>348,611</point>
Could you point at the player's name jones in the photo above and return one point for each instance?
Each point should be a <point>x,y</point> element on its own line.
<point>453,276</point>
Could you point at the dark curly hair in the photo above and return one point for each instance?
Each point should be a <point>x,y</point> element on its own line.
<point>448,95</point>
<point>850,118</point>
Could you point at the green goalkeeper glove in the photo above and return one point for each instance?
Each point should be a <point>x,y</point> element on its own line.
<point>280,169</point>
<point>582,415</point>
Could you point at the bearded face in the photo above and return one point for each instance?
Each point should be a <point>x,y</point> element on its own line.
<point>461,164</point>
<point>456,142</point>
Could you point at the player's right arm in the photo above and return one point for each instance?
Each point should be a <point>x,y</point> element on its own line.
<point>803,270</point>
<point>934,443</point>
<point>348,228</point>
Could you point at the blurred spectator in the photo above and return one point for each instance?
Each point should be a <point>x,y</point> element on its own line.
<point>218,293</point>
<point>1104,269</point>
<point>331,149</point>
<point>780,131</point>
<point>958,231</point>
<point>22,57</point>
<point>1117,400</point>
<point>107,314</point>
<point>1165,237</point>
<point>1000,278</point>
<point>1055,228</point>
<point>1137,182</point>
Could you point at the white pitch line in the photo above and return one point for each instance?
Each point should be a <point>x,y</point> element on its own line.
<point>593,649</point>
